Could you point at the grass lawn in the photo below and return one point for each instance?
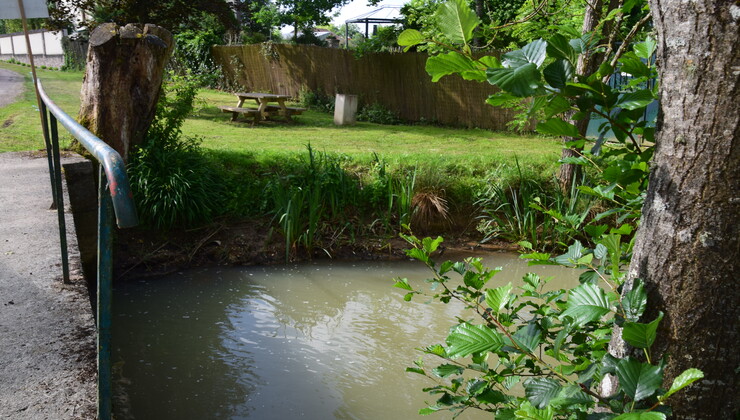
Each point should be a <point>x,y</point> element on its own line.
<point>20,128</point>
<point>398,144</point>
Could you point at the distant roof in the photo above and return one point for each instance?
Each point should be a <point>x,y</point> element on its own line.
<point>384,14</point>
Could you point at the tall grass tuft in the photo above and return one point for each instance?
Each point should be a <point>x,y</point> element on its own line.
<point>172,180</point>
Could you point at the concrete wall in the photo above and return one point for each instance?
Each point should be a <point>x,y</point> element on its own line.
<point>46,47</point>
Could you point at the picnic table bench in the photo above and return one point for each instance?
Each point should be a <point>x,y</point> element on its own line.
<point>264,110</point>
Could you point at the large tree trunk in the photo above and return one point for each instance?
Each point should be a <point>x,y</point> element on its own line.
<point>687,245</point>
<point>122,82</point>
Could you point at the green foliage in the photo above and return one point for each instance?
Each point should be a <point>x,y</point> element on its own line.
<point>384,40</point>
<point>532,209</point>
<point>316,100</point>
<point>378,114</point>
<point>172,180</point>
<point>192,54</point>
<point>544,72</point>
<point>556,339</point>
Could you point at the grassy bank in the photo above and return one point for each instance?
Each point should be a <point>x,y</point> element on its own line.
<point>354,181</point>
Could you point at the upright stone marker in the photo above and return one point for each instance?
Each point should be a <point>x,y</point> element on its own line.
<point>345,109</point>
<point>122,82</point>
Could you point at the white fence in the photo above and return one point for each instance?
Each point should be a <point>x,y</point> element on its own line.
<point>46,47</point>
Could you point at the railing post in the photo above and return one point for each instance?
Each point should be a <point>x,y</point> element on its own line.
<point>49,153</point>
<point>105,274</point>
<point>59,196</point>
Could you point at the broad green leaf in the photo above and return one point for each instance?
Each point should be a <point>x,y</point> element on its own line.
<point>490,396</point>
<point>415,370</point>
<point>571,394</point>
<point>474,280</point>
<point>559,47</point>
<point>531,281</point>
<point>540,391</point>
<point>634,301</point>
<point>586,303</point>
<point>558,73</point>
<point>476,386</point>
<point>429,410</point>
<point>417,254</point>
<point>688,377</point>
<point>633,65</point>
<point>528,337</point>
<point>403,284</point>
<point>595,231</point>
<point>466,339</point>
<point>446,370</point>
<point>430,245</point>
<point>501,98</point>
<point>490,62</point>
<point>641,335</point>
<point>557,127</point>
<point>575,252</point>
<point>497,298</point>
<point>445,64</point>
<point>560,340</point>
<point>556,105</point>
<point>528,411</point>
<point>634,100</point>
<point>409,38</point>
<point>505,414</point>
<point>589,276</point>
<point>646,49</point>
<point>520,81</point>
<point>533,53</point>
<point>638,380</point>
<point>601,251</point>
<point>641,415</point>
<point>605,70</point>
<point>456,20</point>
<point>585,43</point>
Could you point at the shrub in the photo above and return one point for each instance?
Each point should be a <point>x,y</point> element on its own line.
<point>316,100</point>
<point>378,114</point>
<point>173,181</point>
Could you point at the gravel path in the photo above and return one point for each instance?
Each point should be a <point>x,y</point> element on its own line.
<point>11,86</point>
<point>47,344</point>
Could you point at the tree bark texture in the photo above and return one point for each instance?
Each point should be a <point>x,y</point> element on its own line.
<point>687,246</point>
<point>125,66</point>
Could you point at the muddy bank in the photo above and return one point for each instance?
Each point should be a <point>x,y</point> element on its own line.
<point>142,252</point>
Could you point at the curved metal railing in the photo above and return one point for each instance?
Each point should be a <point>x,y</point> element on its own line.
<point>111,161</point>
<point>114,199</point>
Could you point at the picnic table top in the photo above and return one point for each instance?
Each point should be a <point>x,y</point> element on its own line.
<point>255,95</point>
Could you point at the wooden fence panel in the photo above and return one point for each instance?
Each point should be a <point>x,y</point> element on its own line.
<point>398,81</point>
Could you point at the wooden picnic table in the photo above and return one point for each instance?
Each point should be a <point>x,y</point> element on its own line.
<point>264,108</point>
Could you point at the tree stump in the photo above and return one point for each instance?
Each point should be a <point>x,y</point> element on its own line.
<point>122,82</point>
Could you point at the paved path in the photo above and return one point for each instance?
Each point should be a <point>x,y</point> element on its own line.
<point>11,86</point>
<point>47,348</point>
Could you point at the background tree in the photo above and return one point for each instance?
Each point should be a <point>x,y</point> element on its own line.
<point>305,14</point>
<point>688,243</point>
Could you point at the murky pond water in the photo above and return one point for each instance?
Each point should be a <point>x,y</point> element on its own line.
<point>328,340</point>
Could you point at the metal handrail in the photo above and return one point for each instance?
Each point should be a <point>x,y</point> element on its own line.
<point>115,169</point>
<point>114,198</point>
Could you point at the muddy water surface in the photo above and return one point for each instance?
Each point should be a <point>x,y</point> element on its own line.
<point>328,340</point>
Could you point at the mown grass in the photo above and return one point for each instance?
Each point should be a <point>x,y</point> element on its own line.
<point>20,127</point>
<point>270,141</point>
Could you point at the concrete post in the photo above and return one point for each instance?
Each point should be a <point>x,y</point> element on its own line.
<point>345,109</point>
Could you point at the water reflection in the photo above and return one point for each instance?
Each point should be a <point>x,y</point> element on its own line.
<point>317,341</point>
